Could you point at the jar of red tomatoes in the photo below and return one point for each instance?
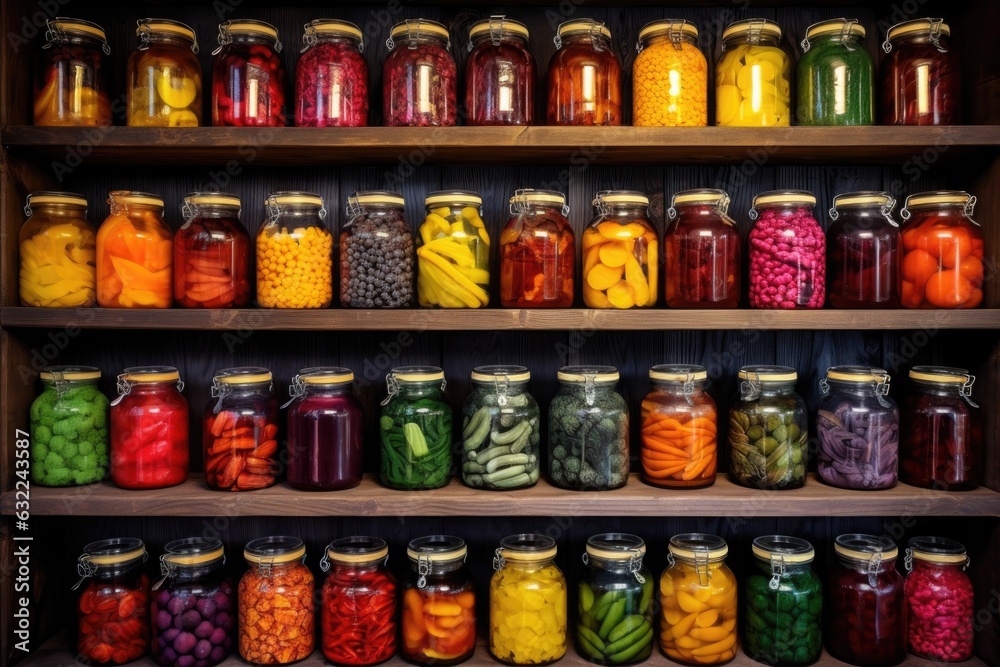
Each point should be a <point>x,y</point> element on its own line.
<point>703,252</point>
<point>211,253</point>
<point>241,430</point>
<point>921,77</point>
<point>499,74</point>
<point>358,607</point>
<point>149,429</point>
<point>325,430</point>
<point>248,79</point>
<point>112,610</point>
<point>943,251</point>
<point>331,79</point>
<point>939,600</point>
<point>71,75</point>
<point>585,76</point>
<point>537,252</point>
<point>867,625</point>
<point>863,250</point>
<point>419,78</point>
<point>620,253</point>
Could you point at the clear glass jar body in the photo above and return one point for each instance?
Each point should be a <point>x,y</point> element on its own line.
<point>783,626</point>
<point>679,433</point>
<point>500,79</point>
<point>537,257</point>
<point>58,251</point>
<point>420,81</point>
<point>415,430</point>
<point>753,82</point>
<point>149,434</point>
<point>439,614</point>
<point>376,257</point>
<point>670,82</point>
<point>331,82</point>
<point>787,258</point>
<point>453,253</point>
<point>212,258</point>
<point>921,82</point>
<point>863,258</point>
<point>866,613</point>
<point>585,81</point>
<point>836,80</point>
<point>69,430</point>
<point>248,80</point>
<point>703,254</point>
<point>294,254</point>
<point>269,634</point>
<point>71,78</point>
<point>325,436</point>
<point>163,80</point>
<point>939,611</point>
<point>620,255</point>
<point>135,254</point>
<point>241,431</point>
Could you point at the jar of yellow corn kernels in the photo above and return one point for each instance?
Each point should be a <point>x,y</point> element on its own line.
<point>670,76</point>
<point>294,253</point>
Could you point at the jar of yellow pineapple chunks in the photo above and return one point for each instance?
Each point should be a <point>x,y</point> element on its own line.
<point>453,252</point>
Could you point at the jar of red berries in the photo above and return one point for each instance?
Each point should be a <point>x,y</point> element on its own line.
<point>939,600</point>
<point>419,77</point>
<point>248,79</point>
<point>331,79</point>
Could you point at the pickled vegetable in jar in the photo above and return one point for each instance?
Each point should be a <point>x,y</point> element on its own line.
<point>753,77</point>
<point>867,625</point>
<point>698,601</point>
<point>768,430</point>
<point>439,603</point>
<point>527,602</point>
<point>71,75</point>
<point>703,251</point>
<point>620,253</point>
<point>939,600</point>
<point>294,253</point>
<point>248,78</point>
<point>863,251</point>
<point>679,429</point>
<point>943,250</point>
<point>419,77</point>
<point>149,429</point>
<point>537,252</point>
<point>211,253</point>
<point>585,76</point>
<point>164,76</point>
<point>835,76</point>
<point>669,76</point>
<point>941,434</point>
<point>194,605</point>
<point>921,77</point>
<point>112,610</point>
<point>276,602</point>
<point>376,252</point>
<point>241,431</point>
<point>415,429</point>
<point>501,430</point>
<point>135,253</point>
<point>358,605</point>
<point>331,78</point>
<point>58,250</point>
<point>588,430</point>
<point>615,606</point>
<point>787,251</point>
<point>453,252</point>
<point>499,74</point>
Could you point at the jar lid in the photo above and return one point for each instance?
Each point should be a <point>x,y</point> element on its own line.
<point>466,197</point>
<point>943,374</point>
<point>193,551</point>
<point>763,26</point>
<point>274,550</point>
<point>436,548</point>
<point>326,375</point>
<point>927,25</point>
<point>52,197</point>
<point>846,27</point>
<point>691,546</point>
<point>784,197</point>
<point>667,27</point>
<point>701,195</point>
<point>243,375</point>
<point>490,374</point>
<point>857,374</point>
<point>498,23</point>
<point>615,546</point>
<point>863,547</point>
<point>416,27</point>
<point>165,25</point>
<point>294,198</point>
<point>581,26</point>
<point>948,197</point>
<point>862,198</point>
<point>357,549</point>
<point>113,551</point>
<point>70,373</point>
<point>249,27</point>
<point>151,374</point>
<point>418,373</point>
<point>137,198</point>
<point>598,374</point>
<point>937,550</point>
<point>784,548</point>
<point>678,373</point>
<point>378,197</point>
<point>333,27</point>
<point>527,547</point>
<point>621,197</point>
<point>78,26</point>
<point>212,199</point>
<point>530,196</point>
<point>768,374</point>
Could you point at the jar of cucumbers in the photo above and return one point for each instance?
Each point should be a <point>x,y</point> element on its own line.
<point>415,429</point>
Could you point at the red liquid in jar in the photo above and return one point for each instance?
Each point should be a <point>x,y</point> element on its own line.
<point>211,264</point>
<point>863,263</point>
<point>939,612</point>
<point>248,87</point>
<point>500,84</point>
<point>113,621</point>
<point>921,85</point>
<point>537,263</point>
<point>325,442</point>
<point>149,438</point>
<point>419,86</point>
<point>941,439</point>
<point>867,625</point>
<point>358,616</point>
<point>702,260</point>
<point>331,86</point>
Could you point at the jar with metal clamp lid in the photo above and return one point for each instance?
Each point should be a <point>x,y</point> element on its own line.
<point>670,76</point>
<point>702,251</point>
<point>71,75</point>
<point>331,78</point>
<point>921,77</point>
<point>58,251</point>
<point>248,77</point>
<point>499,74</point>
<point>419,77</point>
<point>835,75</point>
<point>537,252</point>
<point>939,600</point>
<point>415,429</point>
<point>164,76</point>
<point>135,253</point>
<point>453,252</point>
<point>585,76</point>
<point>620,253</point>
<point>753,77</point>
<point>211,253</point>
<point>294,253</point>
<point>863,251</point>
<point>376,252</point>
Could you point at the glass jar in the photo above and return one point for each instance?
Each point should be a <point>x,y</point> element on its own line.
<point>439,603</point>
<point>679,425</point>
<point>58,250</point>
<point>149,429</point>
<point>69,428</point>
<point>703,253</point>
<point>866,602</point>
<point>588,430</point>
<point>211,253</point>
<point>325,430</point>
<point>499,74</point>
<point>787,252</point>
<point>835,76</point>
<point>294,253</point>
<point>698,601</point>
<point>194,605</point>
<point>415,429</point>
<point>627,279</point>
<point>669,76</point>
<point>921,77</point>
<point>453,252</point>
<point>585,76</point>
<point>527,602</point>
<point>537,252</point>
<point>248,78</point>
<point>276,602</point>
<point>135,253</point>
<point>753,77</point>
<point>939,600</point>
<point>376,252</point>
<point>858,429</point>
<point>71,75</point>
<point>942,251</point>
<point>941,430</point>
<point>358,605</point>
<point>331,78</point>
<point>164,76</point>
<point>420,78</point>
<point>615,606</point>
<point>768,430</point>
<point>863,247</point>
<point>112,610</point>
<point>241,431</point>
<point>501,430</point>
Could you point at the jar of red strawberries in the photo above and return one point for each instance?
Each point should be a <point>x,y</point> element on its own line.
<point>248,79</point>
<point>419,77</point>
<point>331,79</point>
<point>939,600</point>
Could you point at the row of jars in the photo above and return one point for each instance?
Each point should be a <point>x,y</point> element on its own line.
<point>753,80</point>
<point>858,427</point>
<point>934,260</point>
<point>194,616</point>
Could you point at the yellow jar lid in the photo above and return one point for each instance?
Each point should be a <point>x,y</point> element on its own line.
<point>599,374</point>
<point>79,26</point>
<point>70,373</point>
<point>60,198</point>
<point>212,199</point>
<point>863,198</point>
<point>621,197</point>
<point>528,547</point>
<point>357,550</point>
<point>274,550</point>
<point>244,375</point>
<point>937,550</point>
<point>464,197</point>
<point>193,551</point>
<point>326,375</point>
<point>294,198</point>
<point>249,27</point>
<point>786,549</point>
<point>865,547</point>
<point>943,374</point>
<point>135,198</point>
<point>491,374</point>
<point>707,195</point>
<point>784,197</point>
<point>581,26</point>
<point>765,27</point>
<point>114,551</point>
<point>678,373</point>
<point>437,548</point>
<point>857,374</point>
<point>417,27</point>
<point>165,25</point>
<point>698,546</point>
<point>939,197</point>
<point>918,25</point>
<point>615,546</point>
<point>768,374</point>
<point>502,24</point>
<point>418,373</point>
<point>539,197</point>
<point>378,197</point>
<point>834,26</point>
<point>334,27</point>
<point>151,374</point>
<point>667,27</point>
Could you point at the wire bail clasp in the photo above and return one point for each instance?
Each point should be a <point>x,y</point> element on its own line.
<point>502,385</point>
<point>498,559</point>
<point>777,572</point>
<point>635,564</point>
<point>423,569</point>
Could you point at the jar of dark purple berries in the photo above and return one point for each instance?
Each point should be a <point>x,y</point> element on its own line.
<point>331,79</point>
<point>419,78</point>
<point>863,251</point>
<point>921,77</point>
<point>499,74</point>
<point>376,252</point>
<point>248,79</point>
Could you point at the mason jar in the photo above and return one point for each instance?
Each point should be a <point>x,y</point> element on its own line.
<point>248,77</point>
<point>585,76</point>
<point>703,254</point>
<point>620,253</point>
<point>940,600</point>
<point>863,251</point>
<point>376,252</point>
<point>164,76</point>
<point>331,77</point>
<point>921,77</point>
<point>453,252</point>
<point>58,251</point>
<point>835,76</point>
<point>294,253</point>
<point>753,76</point>
<point>419,76</point>
<point>71,75</point>
<point>415,429</point>
<point>537,252</point>
<point>499,73</point>
<point>135,253</point>
<point>211,253</point>
<point>669,76</point>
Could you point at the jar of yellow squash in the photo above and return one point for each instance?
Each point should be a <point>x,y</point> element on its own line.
<point>294,253</point>
<point>620,253</point>
<point>58,252</point>
<point>453,252</point>
<point>698,601</point>
<point>753,78</point>
<point>164,76</point>
<point>670,77</point>
<point>527,602</point>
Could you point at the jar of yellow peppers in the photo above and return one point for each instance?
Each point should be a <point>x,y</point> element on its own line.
<point>527,602</point>
<point>453,252</point>
<point>753,78</point>
<point>620,253</point>
<point>670,76</point>
<point>164,76</point>
<point>294,253</point>
<point>58,252</point>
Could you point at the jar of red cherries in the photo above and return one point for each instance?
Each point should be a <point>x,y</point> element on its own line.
<point>248,79</point>
<point>939,600</point>
<point>585,76</point>
<point>419,78</point>
<point>921,77</point>
<point>499,74</point>
<point>703,253</point>
<point>211,253</point>
<point>331,79</point>
<point>863,247</point>
<point>537,252</point>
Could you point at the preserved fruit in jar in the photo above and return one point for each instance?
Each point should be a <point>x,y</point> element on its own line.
<point>939,600</point>
<point>453,252</point>
<point>620,253</point>
<point>415,429</point>
<point>420,78</point>
<point>787,251</point>
<point>921,77</point>
<point>248,78</point>
<point>537,252</point>
<point>331,78</point>
<point>585,76</point>
<point>753,77</point>
<point>863,248</point>
<point>499,74</point>
<point>703,252</point>
<point>669,76</point>
<point>135,253</point>
<point>211,253</point>
<point>376,252</point>
<point>164,76</point>
<point>71,75</point>
<point>294,253</point>
<point>835,75</point>
<point>58,250</point>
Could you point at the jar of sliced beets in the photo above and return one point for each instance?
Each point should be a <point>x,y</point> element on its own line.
<point>211,253</point>
<point>331,79</point>
<point>921,77</point>
<point>71,75</point>
<point>499,74</point>
<point>863,248</point>
<point>248,79</point>
<point>585,76</point>
<point>376,252</point>
<point>419,78</point>
<point>537,252</point>
<point>703,252</point>
<point>939,600</point>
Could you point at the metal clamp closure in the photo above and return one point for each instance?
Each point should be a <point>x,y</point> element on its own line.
<point>874,565</point>
<point>777,571</point>
<point>498,559</point>
<point>423,569</point>
<point>502,385</point>
<point>392,386</point>
<point>496,28</point>
<point>750,388</point>
<point>589,391</point>
<point>634,565</point>
<point>54,34</point>
<point>755,28</point>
